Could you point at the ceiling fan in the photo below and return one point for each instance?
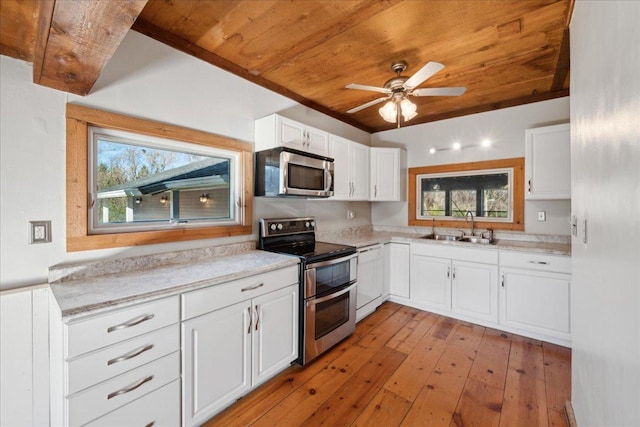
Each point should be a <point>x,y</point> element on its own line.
<point>399,88</point>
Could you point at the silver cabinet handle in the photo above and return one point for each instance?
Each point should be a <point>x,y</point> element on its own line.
<point>448,272</point>
<point>257,317</point>
<point>129,388</point>
<point>502,280</point>
<point>529,190</point>
<point>151,424</point>
<point>130,323</point>
<point>250,320</point>
<point>375,191</point>
<point>454,273</point>
<point>130,355</point>
<point>539,262</point>
<point>250,288</point>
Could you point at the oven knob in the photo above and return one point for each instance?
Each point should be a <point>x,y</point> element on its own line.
<point>313,223</point>
<point>279,226</point>
<point>307,224</point>
<point>273,227</point>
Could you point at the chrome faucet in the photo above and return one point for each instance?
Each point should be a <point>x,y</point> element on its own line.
<point>473,225</point>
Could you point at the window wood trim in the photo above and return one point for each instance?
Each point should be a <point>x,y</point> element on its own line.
<point>517,223</point>
<point>78,119</point>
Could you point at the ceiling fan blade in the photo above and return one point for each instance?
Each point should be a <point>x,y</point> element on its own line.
<point>368,104</point>
<point>439,91</point>
<point>365,87</point>
<point>423,74</point>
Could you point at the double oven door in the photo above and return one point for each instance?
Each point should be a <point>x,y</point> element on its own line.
<point>329,304</point>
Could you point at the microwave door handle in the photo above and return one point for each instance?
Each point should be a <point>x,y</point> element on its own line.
<point>329,181</point>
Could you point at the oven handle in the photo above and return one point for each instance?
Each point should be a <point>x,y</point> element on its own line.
<point>330,296</point>
<point>330,262</point>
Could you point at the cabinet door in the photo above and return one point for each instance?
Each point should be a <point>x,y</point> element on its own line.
<point>216,361</point>
<point>430,283</point>
<point>275,332</point>
<point>475,290</point>
<point>339,151</point>
<point>317,141</point>
<point>359,171</point>
<point>369,275</point>
<point>548,162</point>
<point>536,301</point>
<point>290,133</point>
<point>399,269</point>
<point>385,174</point>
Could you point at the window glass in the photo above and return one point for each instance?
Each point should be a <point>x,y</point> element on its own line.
<point>149,183</point>
<point>485,194</point>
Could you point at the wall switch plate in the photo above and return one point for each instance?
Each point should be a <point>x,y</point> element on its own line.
<point>40,232</point>
<point>574,226</point>
<point>542,216</point>
<point>351,214</point>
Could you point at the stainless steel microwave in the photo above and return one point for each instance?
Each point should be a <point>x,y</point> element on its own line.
<point>285,172</point>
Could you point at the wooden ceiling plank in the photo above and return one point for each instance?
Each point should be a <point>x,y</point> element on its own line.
<point>82,37</point>
<point>18,20</point>
<point>481,108</point>
<point>185,46</point>
<point>563,64</point>
<point>45,20</point>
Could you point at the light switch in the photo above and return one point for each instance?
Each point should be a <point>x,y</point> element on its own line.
<point>542,216</point>
<point>40,231</point>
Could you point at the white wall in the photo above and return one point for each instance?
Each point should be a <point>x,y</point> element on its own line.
<point>605,150</point>
<point>504,127</point>
<point>143,79</point>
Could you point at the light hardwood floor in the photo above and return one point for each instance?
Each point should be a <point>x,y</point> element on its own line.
<point>406,367</point>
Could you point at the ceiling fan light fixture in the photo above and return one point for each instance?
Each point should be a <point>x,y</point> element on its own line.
<point>389,111</point>
<point>408,109</point>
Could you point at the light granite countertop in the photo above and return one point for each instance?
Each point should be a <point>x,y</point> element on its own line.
<point>81,296</point>
<point>364,239</point>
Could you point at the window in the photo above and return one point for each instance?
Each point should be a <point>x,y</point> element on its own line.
<point>144,183</point>
<point>492,191</point>
<point>452,195</point>
<point>133,182</point>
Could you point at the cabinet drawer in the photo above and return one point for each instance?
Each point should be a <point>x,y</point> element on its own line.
<point>157,409</point>
<point>370,253</point>
<point>108,362</point>
<point>203,301</point>
<point>93,333</point>
<point>116,392</point>
<point>536,261</point>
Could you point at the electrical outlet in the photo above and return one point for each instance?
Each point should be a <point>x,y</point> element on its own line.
<point>351,214</point>
<point>40,231</point>
<point>542,216</point>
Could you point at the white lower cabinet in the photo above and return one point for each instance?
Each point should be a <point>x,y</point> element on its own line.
<point>459,282</point>
<point>535,295</point>
<point>397,269</point>
<point>230,350</point>
<point>102,364</point>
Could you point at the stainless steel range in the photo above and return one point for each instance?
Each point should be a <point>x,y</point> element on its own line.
<point>327,279</point>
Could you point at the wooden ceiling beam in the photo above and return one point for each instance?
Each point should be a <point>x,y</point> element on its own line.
<point>76,39</point>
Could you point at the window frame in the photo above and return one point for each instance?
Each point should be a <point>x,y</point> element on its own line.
<point>515,224</point>
<point>508,171</point>
<point>78,197</point>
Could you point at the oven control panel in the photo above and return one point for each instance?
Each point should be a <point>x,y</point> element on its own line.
<point>283,226</point>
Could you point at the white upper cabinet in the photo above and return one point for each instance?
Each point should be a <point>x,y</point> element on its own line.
<point>388,175</point>
<point>351,169</point>
<point>548,163</point>
<point>277,131</point>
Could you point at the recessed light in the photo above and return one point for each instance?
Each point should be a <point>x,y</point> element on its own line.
<point>486,142</point>
<point>457,146</point>
<point>432,150</point>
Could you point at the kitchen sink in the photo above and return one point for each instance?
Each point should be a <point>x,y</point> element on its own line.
<point>475,239</point>
<point>447,237</point>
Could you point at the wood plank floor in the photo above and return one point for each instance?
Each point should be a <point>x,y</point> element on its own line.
<point>406,367</point>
